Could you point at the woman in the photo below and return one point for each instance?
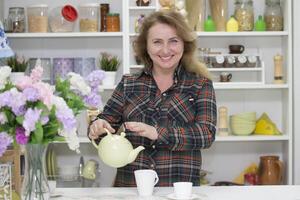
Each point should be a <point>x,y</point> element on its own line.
<point>169,107</point>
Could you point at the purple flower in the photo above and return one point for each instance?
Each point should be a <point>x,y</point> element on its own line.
<point>31,94</point>
<point>66,117</point>
<point>95,77</point>
<point>21,138</point>
<point>5,141</point>
<point>5,98</point>
<point>30,118</point>
<point>44,120</point>
<point>19,110</point>
<point>93,100</point>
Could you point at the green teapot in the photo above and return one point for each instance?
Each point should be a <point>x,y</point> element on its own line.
<point>116,151</point>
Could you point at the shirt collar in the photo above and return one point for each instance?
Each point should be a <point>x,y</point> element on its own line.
<point>177,73</point>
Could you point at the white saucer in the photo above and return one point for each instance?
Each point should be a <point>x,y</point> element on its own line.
<point>173,197</point>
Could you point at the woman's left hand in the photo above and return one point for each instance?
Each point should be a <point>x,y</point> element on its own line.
<point>142,129</point>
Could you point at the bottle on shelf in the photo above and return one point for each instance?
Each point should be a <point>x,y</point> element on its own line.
<point>232,25</point>
<point>37,18</point>
<point>113,22</point>
<point>278,69</point>
<point>209,25</point>
<point>88,14</point>
<point>219,13</point>
<point>16,20</point>
<point>260,24</point>
<point>104,10</point>
<point>244,14</point>
<point>223,121</point>
<point>273,15</point>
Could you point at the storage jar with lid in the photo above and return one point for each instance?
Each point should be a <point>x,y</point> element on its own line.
<point>62,19</point>
<point>244,14</point>
<point>37,18</point>
<point>104,10</point>
<point>113,22</point>
<point>89,16</point>
<point>16,19</point>
<point>273,15</point>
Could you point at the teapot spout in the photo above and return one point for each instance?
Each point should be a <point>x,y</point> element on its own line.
<point>133,154</point>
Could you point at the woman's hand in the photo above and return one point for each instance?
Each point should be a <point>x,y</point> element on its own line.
<point>142,129</point>
<point>97,128</point>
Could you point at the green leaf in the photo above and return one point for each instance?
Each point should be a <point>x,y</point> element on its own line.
<point>20,119</point>
<point>59,138</point>
<point>38,133</point>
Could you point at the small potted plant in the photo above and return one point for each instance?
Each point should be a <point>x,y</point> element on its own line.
<point>110,64</point>
<point>18,67</point>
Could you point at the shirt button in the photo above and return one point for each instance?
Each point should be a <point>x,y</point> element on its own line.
<point>164,94</point>
<point>153,146</point>
<point>157,109</point>
<point>152,166</point>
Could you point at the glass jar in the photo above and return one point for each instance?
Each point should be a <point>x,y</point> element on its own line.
<point>273,15</point>
<point>252,60</point>
<point>16,19</point>
<point>244,14</point>
<point>104,10</point>
<point>218,62</point>
<point>113,22</point>
<point>62,19</point>
<point>230,61</point>
<point>88,14</point>
<point>37,18</point>
<point>241,61</point>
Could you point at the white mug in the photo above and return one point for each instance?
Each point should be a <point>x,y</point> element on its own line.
<point>145,180</point>
<point>183,190</point>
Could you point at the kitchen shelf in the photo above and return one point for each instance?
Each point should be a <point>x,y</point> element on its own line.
<point>250,138</point>
<point>231,138</point>
<point>136,8</point>
<point>248,85</point>
<point>65,35</point>
<point>241,69</point>
<point>244,34</point>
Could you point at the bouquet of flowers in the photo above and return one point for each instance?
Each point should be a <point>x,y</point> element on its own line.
<point>35,112</point>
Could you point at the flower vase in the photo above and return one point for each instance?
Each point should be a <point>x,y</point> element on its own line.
<point>110,78</point>
<point>35,185</point>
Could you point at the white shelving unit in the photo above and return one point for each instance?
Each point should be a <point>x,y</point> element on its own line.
<point>229,155</point>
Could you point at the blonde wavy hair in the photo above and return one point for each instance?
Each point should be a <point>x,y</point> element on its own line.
<point>189,60</point>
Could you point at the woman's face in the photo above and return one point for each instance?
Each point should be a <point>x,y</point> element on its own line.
<point>164,47</point>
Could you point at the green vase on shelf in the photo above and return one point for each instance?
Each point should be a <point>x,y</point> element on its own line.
<point>260,24</point>
<point>209,25</point>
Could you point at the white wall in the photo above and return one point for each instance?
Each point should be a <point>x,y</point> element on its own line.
<point>296,73</point>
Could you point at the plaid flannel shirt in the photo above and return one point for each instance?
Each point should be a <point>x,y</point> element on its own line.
<point>185,118</point>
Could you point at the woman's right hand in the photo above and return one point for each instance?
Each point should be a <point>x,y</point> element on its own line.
<point>97,128</point>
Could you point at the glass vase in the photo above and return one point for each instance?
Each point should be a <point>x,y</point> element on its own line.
<point>35,185</point>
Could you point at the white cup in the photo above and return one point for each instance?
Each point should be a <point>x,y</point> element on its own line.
<point>183,190</point>
<point>145,180</point>
<point>52,186</point>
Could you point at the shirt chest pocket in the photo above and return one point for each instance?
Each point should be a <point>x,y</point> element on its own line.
<point>136,107</point>
<point>182,108</point>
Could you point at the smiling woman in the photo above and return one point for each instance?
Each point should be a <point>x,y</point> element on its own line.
<point>169,107</point>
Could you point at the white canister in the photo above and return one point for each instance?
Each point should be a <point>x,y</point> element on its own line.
<point>37,18</point>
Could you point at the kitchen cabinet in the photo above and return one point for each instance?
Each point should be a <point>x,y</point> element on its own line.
<point>229,155</point>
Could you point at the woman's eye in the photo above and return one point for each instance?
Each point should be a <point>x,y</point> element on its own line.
<point>174,41</point>
<point>156,42</point>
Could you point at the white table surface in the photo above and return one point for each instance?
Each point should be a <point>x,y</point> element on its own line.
<point>204,193</point>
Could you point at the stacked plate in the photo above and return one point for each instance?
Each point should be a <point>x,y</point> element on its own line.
<point>51,164</point>
<point>243,123</point>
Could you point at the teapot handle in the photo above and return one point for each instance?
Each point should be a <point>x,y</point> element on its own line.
<point>93,141</point>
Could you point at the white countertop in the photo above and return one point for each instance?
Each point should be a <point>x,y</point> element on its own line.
<point>286,192</point>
